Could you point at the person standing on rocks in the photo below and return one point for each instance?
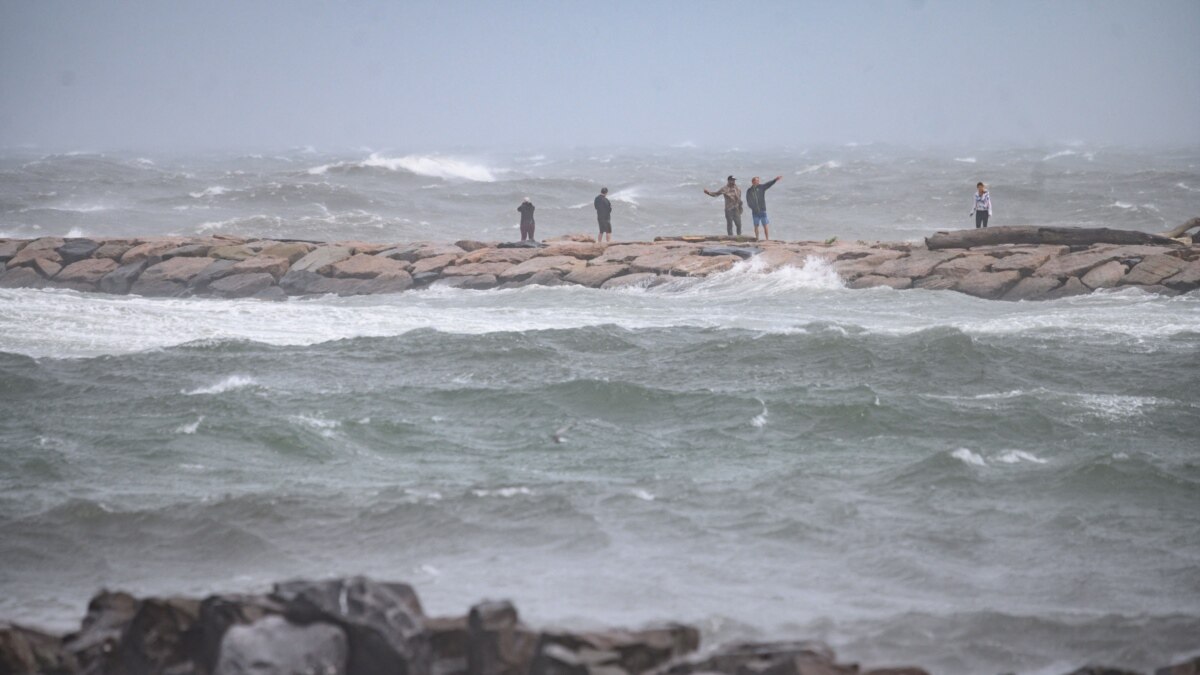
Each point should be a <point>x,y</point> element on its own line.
<point>604,215</point>
<point>733,204</point>
<point>527,224</point>
<point>983,206</point>
<point>756,197</point>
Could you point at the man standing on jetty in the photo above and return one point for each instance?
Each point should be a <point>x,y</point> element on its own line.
<point>733,204</point>
<point>604,215</point>
<point>527,225</point>
<point>756,197</point>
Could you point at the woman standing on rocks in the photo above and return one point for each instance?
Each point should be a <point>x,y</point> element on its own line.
<point>983,206</point>
<point>527,225</point>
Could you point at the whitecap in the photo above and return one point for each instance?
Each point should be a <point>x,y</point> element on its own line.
<point>760,420</point>
<point>965,160</point>
<point>831,164</point>
<point>967,457</point>
<point>189,428</point>
<point>321,425</point>
<point>230,383</point>
<point>1015,456</point>
<point>643,495</point>
<point>434,166</point>
<point>1060,153</point>
<point>214,191</point>
<point>503,492</point>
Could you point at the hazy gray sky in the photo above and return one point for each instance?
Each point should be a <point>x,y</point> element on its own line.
<point>437,75</point>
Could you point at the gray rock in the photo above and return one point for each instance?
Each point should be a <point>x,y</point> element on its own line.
<point>990,285</point>
<point>274,646</point>
<point>743,252</point>
<point>470,244</point>
<point>1153,269</point>
<point>121,279</point>
<point>521,244</point>
<point>176,270</point>
<point>593,276</point>
<point>542,278</point>
<point>235,252</point>
<point>77,249</point>
<point>241,285</point>
<point>393,282</point>
<point>271,293</point>
<point>875,281</point>
<point>159,288</point>
<point>1073,286</point>
<point>498,643</point>
<point>422,279</point>
<point>88,272</point>
<point>636,280</point>
<point>290,251</point>
<point>1032,288</point>
<point>936,282</point>
<point>964,266</point>
<point>321,259</point>
<point>113,250</point>
<point>22,277</point>
<point>188,251</point>
<point>919,263</point>
<point>1107,275</point>
<point>301,282</point>
<point>475,282</point>
<point>1186,279</point>
<point>217,270</point>
<point>10,248</point>
<point>384,622</point>
<point>45,267</point>
<point>24,650</point>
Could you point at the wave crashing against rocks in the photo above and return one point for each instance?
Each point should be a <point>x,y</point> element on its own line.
<point>234,267</point>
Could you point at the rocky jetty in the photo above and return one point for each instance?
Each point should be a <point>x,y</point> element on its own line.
<point>233,267</point>
<point>357,626</point>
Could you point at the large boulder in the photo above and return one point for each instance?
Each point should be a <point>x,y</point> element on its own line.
<point>45,267</point>
<point>497,642</point>
<point>365,266</point>
<point>511,256</point>
<point>778,257</point>
<point>1081,262</point>
<point>301,282</point>
<point>1032,288</point>
<point>433,264</point>
<point>290,251</point>
<point>919,263</point>
<point>151,249</point>
<point>474,282</point>
<point>629,651</point>
<point>1071,287</point>
<point>1186,279</point>
<point>637,280</point>
<point>420,250</point>
<point>24,650</point>
<point>471,244</point>
<point>702,266</point>
<point>188,251</point>
<point>218,613</point>
<point>935,282</point>
<point>475,269</point>
<point>990,285</point>
<point>158,638</point>
<point>113,249</point>
<point>179,270</point>
<point>94,645</point>
<point>10,248</point>
<point>660,261</point>
<point>1153,269</point>
<point>121,279</point>
<point>241,285</point>
<point>234,252</point>
<point>321,259</point>
<point>875,281</point>
<point>77,249</point>
<point>217,270</point>
<point>575,249</point>
<point>384,622</point>
<point>624,253</point>
<point>1023,259</point>
<point>89,271</point>
<point>275,646</point>
<point>276,267</point>
<point>848,269</point>
<point>392,282</point>
<point>22,277</point>
<point>557,264</point>
<point>593,276</point>
<point>1107,275</point>
<point>38,249</point>
<point>965,266</point>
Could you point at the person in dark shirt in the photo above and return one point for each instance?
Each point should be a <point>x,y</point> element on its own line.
<point>604,215</point>
<point>756,197</point>
<point>526,211</point>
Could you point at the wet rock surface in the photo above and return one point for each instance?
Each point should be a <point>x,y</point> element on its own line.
<point>233,267</point>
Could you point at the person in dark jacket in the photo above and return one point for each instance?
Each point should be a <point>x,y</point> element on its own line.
<point>756,197</point>
<point>526,211</point>
<point>604,215</point>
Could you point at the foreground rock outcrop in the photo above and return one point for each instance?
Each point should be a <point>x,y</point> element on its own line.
<point>232,267</point>
<point>357,626</point>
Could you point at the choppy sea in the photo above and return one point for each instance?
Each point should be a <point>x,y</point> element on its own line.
<point>918,477</point>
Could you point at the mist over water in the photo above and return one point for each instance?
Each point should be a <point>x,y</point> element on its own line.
<point>852,192</point>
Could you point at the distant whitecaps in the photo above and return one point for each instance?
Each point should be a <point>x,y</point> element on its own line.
<point>189,428</point>
<point>1015,456</point>
<point>503,492</point>
<point>208,192</point>
<point>228,384</point>
<point>965,160</point>
<point>435,166</point>
<point>967,457</point>
<point>760,420</point>
<point>831,164</point>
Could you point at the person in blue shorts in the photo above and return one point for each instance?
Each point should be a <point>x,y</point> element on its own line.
<point>756,197</point>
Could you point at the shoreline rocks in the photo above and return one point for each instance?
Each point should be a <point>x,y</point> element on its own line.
<point>273,270</point>
<point>358,626</point>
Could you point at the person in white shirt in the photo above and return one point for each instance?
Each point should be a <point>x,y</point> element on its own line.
<point>983,206</point>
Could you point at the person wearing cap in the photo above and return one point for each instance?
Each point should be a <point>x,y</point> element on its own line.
<point>756,197</point>
<point>604,215</point>
<point>733,204</point>
<point>526,211</point>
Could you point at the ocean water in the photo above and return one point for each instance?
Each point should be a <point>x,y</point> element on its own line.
<point>915,477</point>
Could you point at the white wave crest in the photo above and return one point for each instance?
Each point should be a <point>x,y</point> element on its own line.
<point>189,428</point>
<point>967,457</point>
<point>1015,456</point>
<point>965,160</point>
<point>214,191</point>
<point>503,492</point>
<point>228,384</point>
<point>760,420</point>
<point>321,425</point>
<point>1060,153</point>
<point>434,166</point>
<point>643,495</point>
<point>831,164</point>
